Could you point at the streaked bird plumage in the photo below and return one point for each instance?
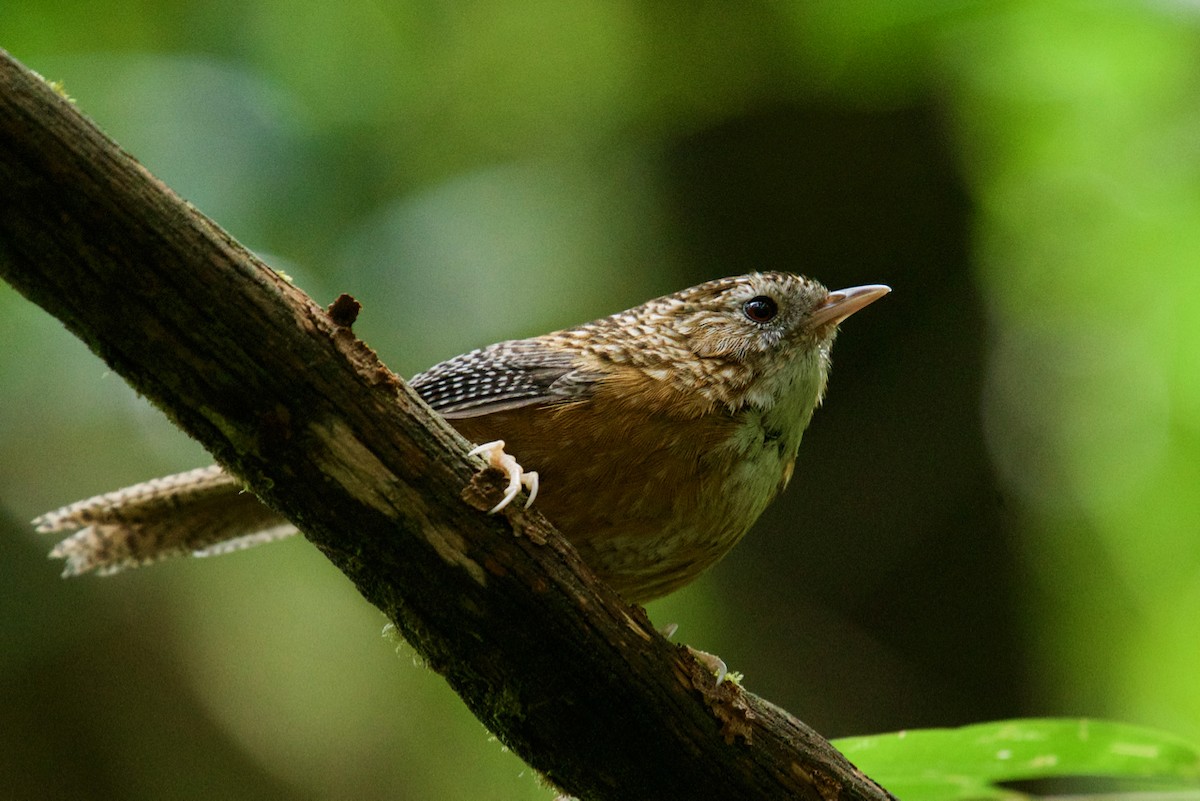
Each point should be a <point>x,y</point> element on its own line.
<point>660,434</point>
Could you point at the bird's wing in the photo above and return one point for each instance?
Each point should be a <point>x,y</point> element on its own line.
<point>504,376</point>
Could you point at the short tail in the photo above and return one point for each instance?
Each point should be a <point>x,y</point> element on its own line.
<point>202,512</point>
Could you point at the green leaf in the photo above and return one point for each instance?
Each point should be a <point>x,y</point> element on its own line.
<point>944,764</point>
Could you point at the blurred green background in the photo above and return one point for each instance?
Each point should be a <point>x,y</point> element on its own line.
<point>997,513</point>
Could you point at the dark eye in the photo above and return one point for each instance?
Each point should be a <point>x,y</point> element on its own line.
<point>761,309</point>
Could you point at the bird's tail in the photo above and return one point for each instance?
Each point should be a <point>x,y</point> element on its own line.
<point>201,512</point>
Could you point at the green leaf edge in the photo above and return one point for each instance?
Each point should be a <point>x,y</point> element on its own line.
<point>966,762</point>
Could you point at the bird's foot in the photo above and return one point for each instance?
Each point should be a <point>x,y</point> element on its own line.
<point>493,453</point>
<point>714,663</point>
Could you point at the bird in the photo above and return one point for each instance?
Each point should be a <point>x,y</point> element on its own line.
<point>658,435</point>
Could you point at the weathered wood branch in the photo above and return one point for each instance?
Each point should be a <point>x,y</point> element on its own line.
<point>572,679</point>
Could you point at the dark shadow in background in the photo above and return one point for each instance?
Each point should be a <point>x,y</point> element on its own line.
<point>887,564</point>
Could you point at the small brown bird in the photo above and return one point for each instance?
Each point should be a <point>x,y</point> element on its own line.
<point>659,435</point>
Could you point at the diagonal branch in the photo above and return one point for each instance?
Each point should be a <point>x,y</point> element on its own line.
<point>575,681</point>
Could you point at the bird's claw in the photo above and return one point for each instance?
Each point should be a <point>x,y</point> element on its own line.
<point>713,662</point>
<point>493,453</point>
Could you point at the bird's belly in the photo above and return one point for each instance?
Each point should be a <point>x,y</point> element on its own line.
<point>651,509</point>
<point>675,531</point>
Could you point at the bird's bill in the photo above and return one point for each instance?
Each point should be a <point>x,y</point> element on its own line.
<point>845,302</point>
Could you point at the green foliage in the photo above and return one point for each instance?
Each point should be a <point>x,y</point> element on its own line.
<point>970,762</point>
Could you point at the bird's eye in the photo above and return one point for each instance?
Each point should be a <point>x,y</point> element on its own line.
<point>761,309</point>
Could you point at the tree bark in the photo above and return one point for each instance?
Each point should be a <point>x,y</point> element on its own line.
<point>567,675</point>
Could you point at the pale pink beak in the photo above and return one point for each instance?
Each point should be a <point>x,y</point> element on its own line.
<point>845,302</point>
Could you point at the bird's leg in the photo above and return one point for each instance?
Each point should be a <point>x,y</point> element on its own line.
<point>715,664</point>
<point>711,661</point>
